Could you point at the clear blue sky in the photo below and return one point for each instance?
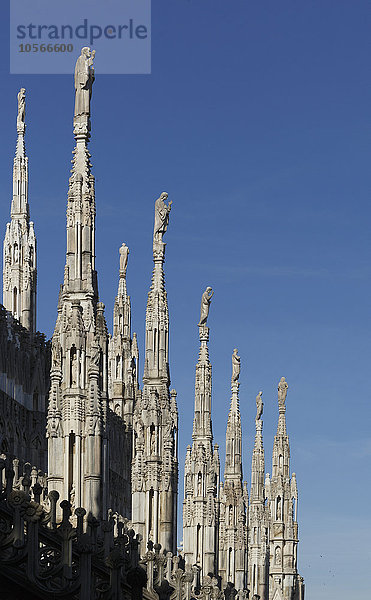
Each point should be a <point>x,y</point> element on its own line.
<point>256,122</point>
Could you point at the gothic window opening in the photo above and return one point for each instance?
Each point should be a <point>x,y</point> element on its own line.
<point>73,367</point>
<point>117,367</point>
<point>15,301</point>
<point>280,462</point>
<point>151,515</point>
<point>230,574</point>
<point>71,456</point>
<point>198,544</point>
<point>199,484</point>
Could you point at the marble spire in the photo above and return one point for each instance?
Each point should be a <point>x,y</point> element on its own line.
<point>78,402</point>
<point>233,495</point>
<point>123,387</point>
<point>202,467</point>
<point>284,580</point>
<point>155,463</point>
<point>19,264</point>
<point>258,513</point>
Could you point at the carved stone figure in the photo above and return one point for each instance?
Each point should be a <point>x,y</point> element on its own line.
<point>21,107</point>
<point>205,305</point>
<point>84,78</point>
<point>124,254</point>
<point>236,365</point>
<point>282,391</point>
<point>259,406</point>
<point>55,354</point>
<point>162,213</point>
<point>278,556</point>
<point>95,354</point>
<point>153,442</point>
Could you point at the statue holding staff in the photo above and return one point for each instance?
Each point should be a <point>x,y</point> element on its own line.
<point>205,305</point>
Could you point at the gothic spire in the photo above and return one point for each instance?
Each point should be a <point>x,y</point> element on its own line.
<point>19,268</point>
<point>258,466</point>
<point>202,425</point>
<point>78,402</point>
<point>233,455</point>
<point>156,361</point>
<point>202,468</point>
<point>155,463</point>
<point>281,446</point>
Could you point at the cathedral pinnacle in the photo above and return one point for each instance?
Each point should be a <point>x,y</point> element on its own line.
<point>19,269</point>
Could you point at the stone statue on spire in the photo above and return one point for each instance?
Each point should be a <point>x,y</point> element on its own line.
<point>124,254</point>
<point>205,305</point>
<point>162,213</point>
<point>282,391</point>
<point>236,366</point>
<point>84,78</point>
<point>259,406</point>
<point>21,108</point>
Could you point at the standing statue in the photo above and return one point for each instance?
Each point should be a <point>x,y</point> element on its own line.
<point>162,213</point>
<point>21,107</point>
<point>282,391</point>
<point>124,254</point>
<point>236,365</point>
<point>259,406</point>
<point>205,305</point>
<point>84,78</point>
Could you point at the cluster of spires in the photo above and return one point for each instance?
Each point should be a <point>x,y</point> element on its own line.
<point>97,413</point>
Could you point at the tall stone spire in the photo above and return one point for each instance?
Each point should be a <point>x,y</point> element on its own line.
<point>233,496</point>
<point>123,351</point>
<point>123,386</point>
<point>19,262</point>
<point>258,514</point>
<point>202,467</point>
<point>284,580</point>
<point>77,414</point>
<point>155,463</point>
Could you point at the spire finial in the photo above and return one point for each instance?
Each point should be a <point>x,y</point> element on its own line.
<point>205,305</point>
<point>84,79</point>
<point>282,393</point>
<point>162,214</point>
<point>124,255</point>
<point>259,406</point>
<point>21,125</point>
<point>236,366</point>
